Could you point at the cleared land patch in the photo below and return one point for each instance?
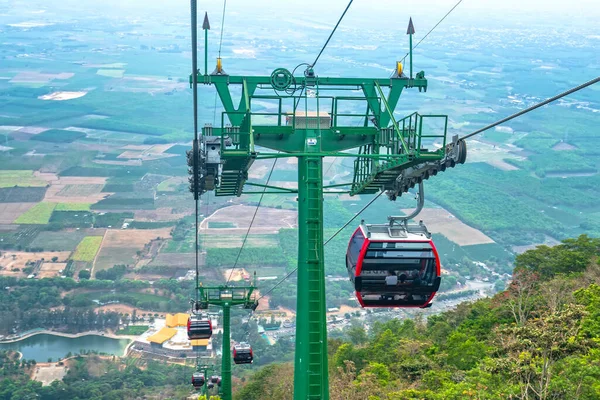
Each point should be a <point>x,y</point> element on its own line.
<point>563,146</point>
<point>230,241</point>
<point>50,373</point>
<point>23,178</point>
<point>494,154</point>
<point>61,96</point>
<point>38,214</point>
<point>267,221</point>
<point>73,189</point>
<point>160,214</point>
<point>87,249</point>
<point>121,246</point>
<point>51,269</point>
<point>111,73</point>
<point>20,259</point>
<point>441,221</point>
<point>171,184</point>
<point>11,211</point>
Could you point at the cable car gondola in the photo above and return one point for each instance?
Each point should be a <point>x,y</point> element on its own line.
<point>199,327</point>
<point>216,379</point>
<point>393,265</point>
<point>198,380</point>
<point>242,354</point>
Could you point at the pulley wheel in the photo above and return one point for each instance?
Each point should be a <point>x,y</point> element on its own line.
<point>281,79</point>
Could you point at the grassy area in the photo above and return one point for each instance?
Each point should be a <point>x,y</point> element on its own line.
<point>111,73</point>
<point>87,248</point>
<point>170,185</point>
<point>58,136</point>
<point>38,214</point>
<point>134,330</point>
<point>73,206</point>
<point>19,178</point>
<point>220,225</point>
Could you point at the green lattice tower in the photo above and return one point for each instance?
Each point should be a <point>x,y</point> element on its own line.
<point>226,297</point>
<point>388,154</point>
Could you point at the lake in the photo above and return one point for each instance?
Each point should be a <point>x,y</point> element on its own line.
<point>44,346</point>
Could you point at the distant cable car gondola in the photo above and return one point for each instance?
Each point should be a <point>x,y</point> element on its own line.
<point>393,265</point>
<point>215,379</point>
<point>242,354</point>
<point>210,385</point>
<point>199,327</point>
<point>198,380</point>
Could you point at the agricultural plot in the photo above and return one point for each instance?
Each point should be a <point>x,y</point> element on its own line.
<point>267,221</point>
<point>172,184</point>
<point>22,178</point>
<point>66,240</point>
<point>73,207</point>
<point>38,214</point>
<point>18,236</point>
<point>73,189</point>
<point>87,249</point>
<point>111,73</point>
<point>160,214</point>
<point>58,136</point>
<point>441,221</point>
<point>22,194</point>
<point>180,260</point>
<point>125,203</point>
<point>51,269</point>
<point>11,211</point>
<point>20,259</point>
<point>122,246</point>
<point>80,190</point>
<point>235,241</point>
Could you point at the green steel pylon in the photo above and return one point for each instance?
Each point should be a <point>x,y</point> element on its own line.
<point>226,297</point>
<point>393,155</point>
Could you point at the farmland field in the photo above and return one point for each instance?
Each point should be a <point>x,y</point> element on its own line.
<point>21,178</point>
<point>22,194</point>
<point>80,190</point>
<point>11,211</point>
<point>58,136</point>
<point>38,214</point>
<point>59,241</point>
<point>87,249</point>
<point>73,207</point>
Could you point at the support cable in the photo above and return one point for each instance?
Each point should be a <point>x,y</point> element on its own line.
<point>324,244</point>
<point>251,223</point>
<point>220,45</point>
<point>196,149</point>
<point>538,105</point>
<point>331,34</point>
<point>432,29</point>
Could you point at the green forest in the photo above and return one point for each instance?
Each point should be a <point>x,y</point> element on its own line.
<point>539,339</point>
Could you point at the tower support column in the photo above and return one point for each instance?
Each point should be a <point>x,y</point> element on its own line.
<point>311,380</point>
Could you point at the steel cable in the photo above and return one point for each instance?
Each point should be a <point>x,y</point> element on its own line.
<point>538,105</point>
<point>324,244</point>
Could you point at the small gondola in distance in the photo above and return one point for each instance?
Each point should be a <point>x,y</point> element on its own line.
<point>393,266</point>
<point>198,380</point>
<point>243,354</point>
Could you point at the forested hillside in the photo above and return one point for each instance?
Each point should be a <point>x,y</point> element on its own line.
<point>539,339</point>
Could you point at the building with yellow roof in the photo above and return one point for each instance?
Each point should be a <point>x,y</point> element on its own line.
<point>175,320</point>
<point>199,343</point>
<point>162,336</point>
